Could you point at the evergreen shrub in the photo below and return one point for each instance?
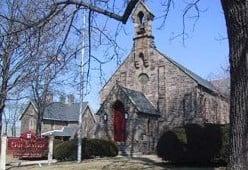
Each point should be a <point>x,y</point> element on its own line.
<point>195,144</point>
<point>67,150</point>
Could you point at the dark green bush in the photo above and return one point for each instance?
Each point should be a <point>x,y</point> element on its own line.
<point>203,142</point>
<point>65,151</point>
<point>99,147</point>
<point>170,147</point>
<point>195,144</point>
<point>224,154</point>
<point>90,148</point>
<point>57,142</point>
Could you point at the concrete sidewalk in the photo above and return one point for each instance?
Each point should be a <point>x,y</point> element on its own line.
<point>20,163</point>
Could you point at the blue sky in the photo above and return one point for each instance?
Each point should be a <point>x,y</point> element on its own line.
<point>203,52</point>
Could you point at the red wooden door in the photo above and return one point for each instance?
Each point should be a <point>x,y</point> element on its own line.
<point>119,124</point>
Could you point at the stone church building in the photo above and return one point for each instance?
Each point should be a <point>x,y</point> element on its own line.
<point>150,93</point>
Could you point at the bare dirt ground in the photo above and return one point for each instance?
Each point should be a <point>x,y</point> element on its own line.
<point>117,163</point>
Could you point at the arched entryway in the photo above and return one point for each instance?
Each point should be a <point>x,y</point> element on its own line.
<point>119,122</point>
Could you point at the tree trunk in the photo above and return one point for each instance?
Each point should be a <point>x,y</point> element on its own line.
<point>41,105</point>
<point>4,85</point>
<point>13,130</point>
<point>38,125</point>
<point>6,128</point>
<point>1,113</point>
<point>236,15</point>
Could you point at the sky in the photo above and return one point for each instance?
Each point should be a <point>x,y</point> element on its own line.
<point>205,51</point>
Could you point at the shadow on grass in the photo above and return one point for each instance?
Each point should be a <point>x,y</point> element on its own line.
<point>169,165</point>
<point>210,166</point>
<point>131,164</point>
<point>148,161</point>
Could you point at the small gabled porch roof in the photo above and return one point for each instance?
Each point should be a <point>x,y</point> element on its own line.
<point>137,98</point>
<point>64,132</point>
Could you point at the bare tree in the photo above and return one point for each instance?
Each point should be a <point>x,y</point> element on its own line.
<point>221,80</point>
<point>11,116</point>
<point>14,117</point>
<point>235,12</point>
<point>16,52</point>
<point>236,16</point>
<point>6,116</point>
<point>45,83</point>
<point>29,21</point>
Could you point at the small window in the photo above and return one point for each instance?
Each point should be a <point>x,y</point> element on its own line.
<point>143,78</point>
<point>141,17</point>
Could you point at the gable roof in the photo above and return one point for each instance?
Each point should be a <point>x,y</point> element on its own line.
<point>60,111</point>
<point>63,111</point>
<point>144,6</point>
<point>194,76</point>
<point>138,99</point>
<point>30,103</point>
<point>117,69</point>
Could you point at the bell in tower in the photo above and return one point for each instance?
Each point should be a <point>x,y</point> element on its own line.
<point>143,38</point>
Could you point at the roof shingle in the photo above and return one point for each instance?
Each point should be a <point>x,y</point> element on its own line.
<point>63,111</point>
<point>142,104</point>
<point>194,76</point>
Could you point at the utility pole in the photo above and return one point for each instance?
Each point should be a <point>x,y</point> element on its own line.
<point>79,156</point>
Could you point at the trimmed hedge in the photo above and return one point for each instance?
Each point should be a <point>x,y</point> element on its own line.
<point>195,144</point>
<point>67,150</point>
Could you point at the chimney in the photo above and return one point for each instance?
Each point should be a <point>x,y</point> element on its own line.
<point>70,99</point>
<point>62,99</point>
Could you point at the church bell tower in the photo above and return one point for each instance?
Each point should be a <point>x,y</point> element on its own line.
<point>143,39</point>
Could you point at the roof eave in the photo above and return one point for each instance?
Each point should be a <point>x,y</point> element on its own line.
<point>150,114</point>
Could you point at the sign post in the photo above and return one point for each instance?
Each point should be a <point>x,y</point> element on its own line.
<point>3,152</point>
<point>50,150</point>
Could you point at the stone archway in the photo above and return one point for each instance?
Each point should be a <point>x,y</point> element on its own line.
<point>119,122</point>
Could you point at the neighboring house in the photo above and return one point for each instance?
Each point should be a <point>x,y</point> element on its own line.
<point>60,119</point>
<point>151,93</point>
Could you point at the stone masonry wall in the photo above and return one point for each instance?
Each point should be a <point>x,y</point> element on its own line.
<point>213,108</point>
<point>29,123</point>
<point>165,88</point>
<point>170,90</point>
<point>29,120</point>
<point>141,129</point>
<point>88,122</point>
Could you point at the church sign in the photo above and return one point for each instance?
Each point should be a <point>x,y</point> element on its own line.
<point>28,145</point>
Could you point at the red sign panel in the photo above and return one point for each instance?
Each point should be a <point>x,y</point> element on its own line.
<point>28,145</point>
